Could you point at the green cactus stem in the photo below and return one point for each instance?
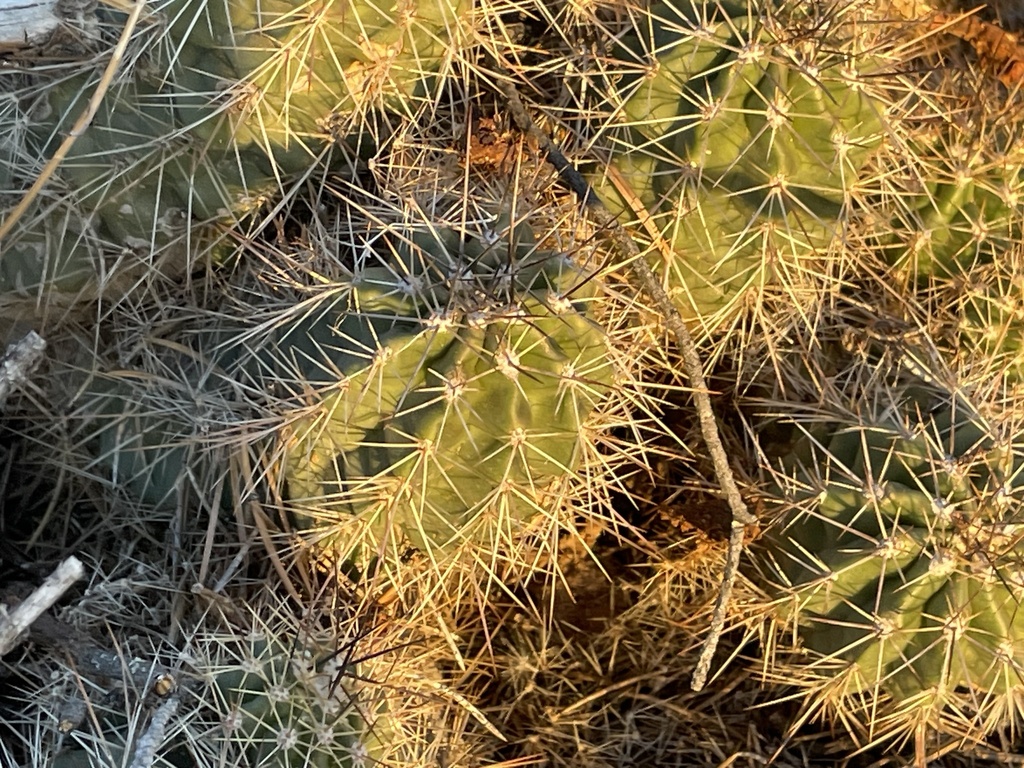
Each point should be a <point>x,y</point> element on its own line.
<point>285,707</point>
<point>902,564</point>
<point>452,429</point>
<point>741,156</point>
<point>438,409</point>
<point>955,222</point>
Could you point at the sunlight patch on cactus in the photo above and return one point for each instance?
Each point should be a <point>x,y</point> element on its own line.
<point>898,566</point>
<point>735,154</point>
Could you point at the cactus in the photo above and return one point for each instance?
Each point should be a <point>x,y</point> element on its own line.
<point>741,156</point>
<point>286,707</point>
<point>279,695</point>
<point>136,193</point>
<point>230,101</point>
<point>988,312</point>
<point>294,76</point>
<point>413,401</point>
<point>959,218</point>
<point>901,567</point>
<point>155,448</point>
<point>447,420</point>
<point>452,423</point>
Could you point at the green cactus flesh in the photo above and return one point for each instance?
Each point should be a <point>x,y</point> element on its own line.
<point>138,149</point>
<point>739,156</point>
<point>292,74</point>
<point>988,307</point>
<point>415,404</point>
<point>285,707</point>
<point>56,254</point>
<point>237,98</point>
<point>907,563</point>
<point>955,223</point>
<point>150,446</point>
<point>439,426</point>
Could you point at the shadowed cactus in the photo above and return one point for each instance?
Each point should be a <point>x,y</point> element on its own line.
<point>152,440</point>
<point>288,707</point>
<point>230,102</point>
<point>137,187</point>
<point>960,217</point>
<point>739,152</point>
<point>275,690</point>
<point>901,567</point>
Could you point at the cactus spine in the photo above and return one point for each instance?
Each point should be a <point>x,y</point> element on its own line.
<point>738,155</point>
<point>900,566</point>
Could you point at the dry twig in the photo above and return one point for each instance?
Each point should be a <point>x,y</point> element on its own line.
<point>16,622</point>
<point>644,280</point>
<point>150,741</point>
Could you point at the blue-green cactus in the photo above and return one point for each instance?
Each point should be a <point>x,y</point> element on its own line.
<point>232,101</point>
<point>740,157</point>
<point>287,707</point>
<point>901,566</point>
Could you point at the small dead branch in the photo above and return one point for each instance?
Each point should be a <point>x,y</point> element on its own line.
<point>150,741</point>
<point>102,666</point>
<point>645,281</point>
<point>17,621</point>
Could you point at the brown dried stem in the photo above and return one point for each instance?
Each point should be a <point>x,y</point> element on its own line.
<point>645,281</point>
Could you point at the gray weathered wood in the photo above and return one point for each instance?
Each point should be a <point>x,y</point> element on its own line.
<point>16,621</point>
<point>25,21</point>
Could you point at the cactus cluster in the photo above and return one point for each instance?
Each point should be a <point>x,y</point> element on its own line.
<point>738,153</point>
<point>901,566</point>
<point>230,100</point>
<point>397,367</point>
